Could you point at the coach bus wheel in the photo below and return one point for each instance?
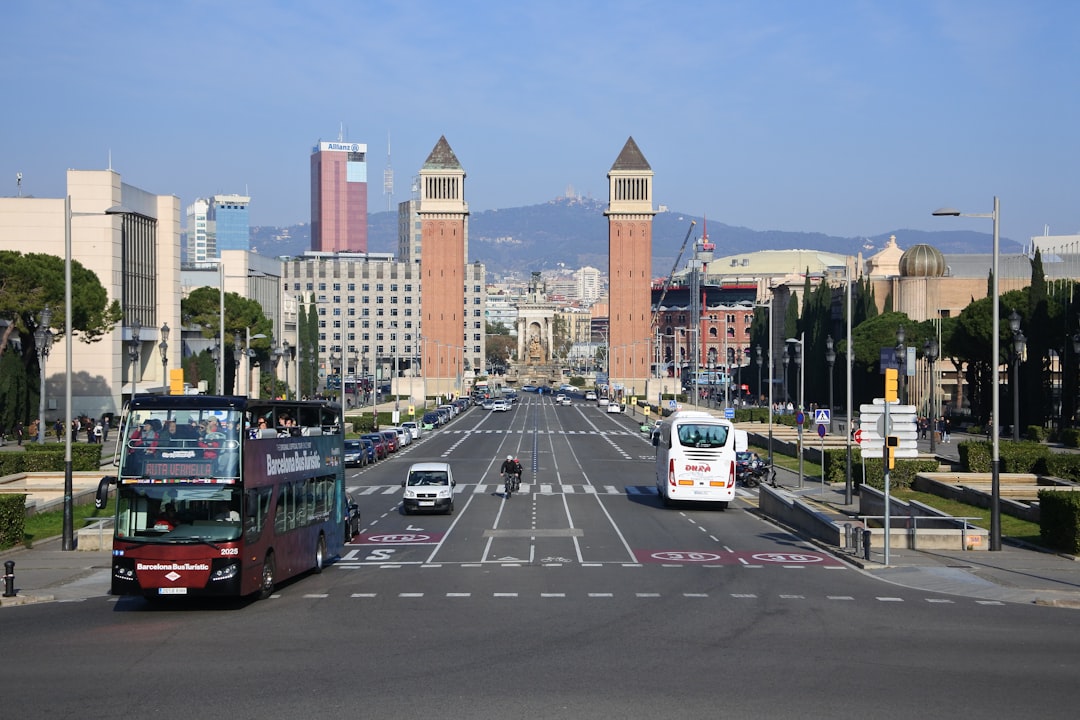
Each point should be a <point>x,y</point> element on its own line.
<point>320,554</point>
<point>267,587</point>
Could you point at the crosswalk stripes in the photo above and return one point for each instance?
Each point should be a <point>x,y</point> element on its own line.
<point>511,431</point>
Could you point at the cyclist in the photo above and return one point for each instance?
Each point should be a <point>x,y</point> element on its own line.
<point>512,468</point>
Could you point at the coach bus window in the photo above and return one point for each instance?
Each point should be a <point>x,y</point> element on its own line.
<point>256,508</point>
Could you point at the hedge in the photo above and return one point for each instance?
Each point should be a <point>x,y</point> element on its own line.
<point>12,519</point>
<point>1059,524</point>
<point>50,458</point>
<point>1016,457</point>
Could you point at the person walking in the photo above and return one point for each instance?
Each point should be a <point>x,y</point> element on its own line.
<point>19,432</point>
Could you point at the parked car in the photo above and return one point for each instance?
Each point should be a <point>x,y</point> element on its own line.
<point>355,454</point>
<point>352,518</point>
<point>404,436</point>
<point>369,449</point>
<point>381,449</point>
<point>431,420</point>
<point>391,438</point>
<point>428,486</point>
<point>414,428</point>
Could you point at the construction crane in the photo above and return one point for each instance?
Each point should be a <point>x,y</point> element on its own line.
<point>671,276</point>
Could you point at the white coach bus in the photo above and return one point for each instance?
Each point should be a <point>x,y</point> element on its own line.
<point>695,458</point>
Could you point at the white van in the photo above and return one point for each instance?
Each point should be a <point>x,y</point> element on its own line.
<point>695,458</point>
<point>428,486</point>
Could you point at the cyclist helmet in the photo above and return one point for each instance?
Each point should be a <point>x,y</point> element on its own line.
<point>509,457</point>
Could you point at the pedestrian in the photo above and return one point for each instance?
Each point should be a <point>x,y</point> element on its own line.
<point>945,432</point>
<point>58,428</point>
<point>19,432</point>
<point>105,428</point>
<point>98,433</point>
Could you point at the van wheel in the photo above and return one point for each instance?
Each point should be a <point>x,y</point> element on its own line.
<point>320,554</point>
<point>723,505</point>
<point>665,499</point>
<point>266,589</point>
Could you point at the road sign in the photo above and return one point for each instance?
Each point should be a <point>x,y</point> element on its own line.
<point>672,405</point>
<point>858,436</point>
<point>729,413</point>
<point>822,417</point>
<point>800,418</point>
<point>821,431</point>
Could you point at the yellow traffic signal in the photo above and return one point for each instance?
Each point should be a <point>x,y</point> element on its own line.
<point>891,443</point>
<point>892,383</point>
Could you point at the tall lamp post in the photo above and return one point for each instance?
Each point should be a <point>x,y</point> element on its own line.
<point>68,529</point>
<point>930,350</point>
<point>43,338</point>
<point>163,347</point>
<point>830,357</point>
<point>215,355</point>
<point>797,343</point>
<point>900,357</point>
<point>249,354</point>
<point>995,355</point>
<point>287,354</point>
<point>787,362</point>
<point>1019,342</point>
<point>133,354</point>
<point>278,353</point>
<point>760,394</point>
<point>238,351</point>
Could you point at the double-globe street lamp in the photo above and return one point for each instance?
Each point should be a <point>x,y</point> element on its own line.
<point>43,338</point>
<point>901,356</point>
<point>930,351</point>
<point>1019,343</point>
<point>133,354</point>
<point>995,355</point>
<point>830,357</point>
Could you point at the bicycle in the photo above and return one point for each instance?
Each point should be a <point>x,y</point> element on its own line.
<point>508,485</point>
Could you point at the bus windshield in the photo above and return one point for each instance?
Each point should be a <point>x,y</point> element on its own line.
<point>702,435</point>
<point>170,513</point>
<point>173,444</point>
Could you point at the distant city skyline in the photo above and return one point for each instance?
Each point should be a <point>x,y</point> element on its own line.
<point>846,118</point>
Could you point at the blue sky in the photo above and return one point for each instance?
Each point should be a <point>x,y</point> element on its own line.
<point>842,117</point>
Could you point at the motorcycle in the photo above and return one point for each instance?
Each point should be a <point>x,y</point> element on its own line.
<point>755,472</point>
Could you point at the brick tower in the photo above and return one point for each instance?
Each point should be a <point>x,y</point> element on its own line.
<point>630,215</point>
<point>443,217</point>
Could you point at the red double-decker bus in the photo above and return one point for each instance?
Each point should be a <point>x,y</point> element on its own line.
<point>225,496</point>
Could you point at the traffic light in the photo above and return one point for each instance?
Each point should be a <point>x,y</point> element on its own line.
<point>891,443</point>
<point>892,383</point>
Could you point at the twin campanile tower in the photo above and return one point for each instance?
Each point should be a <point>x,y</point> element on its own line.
<point>444,242</point>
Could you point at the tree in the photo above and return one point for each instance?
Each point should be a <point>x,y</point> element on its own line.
<point>29,282</point>
<point>203,308</point>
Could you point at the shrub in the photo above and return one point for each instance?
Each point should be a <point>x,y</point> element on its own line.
<point>1070,437</point>
<point>12,519</point>
<point>1059,523</point>
<point>1036,433</point>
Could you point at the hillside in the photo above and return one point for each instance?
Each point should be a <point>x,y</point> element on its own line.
<point>573,232</point>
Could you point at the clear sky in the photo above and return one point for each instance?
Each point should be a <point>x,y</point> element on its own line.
<point>842,117</point>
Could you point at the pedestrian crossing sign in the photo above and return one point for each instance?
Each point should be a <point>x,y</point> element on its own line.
<point>822,417</point>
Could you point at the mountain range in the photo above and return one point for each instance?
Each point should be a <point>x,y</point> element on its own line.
<point>572,232</point>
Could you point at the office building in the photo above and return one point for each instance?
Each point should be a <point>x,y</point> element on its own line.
<point>215,224</point>
<point>339,197</point>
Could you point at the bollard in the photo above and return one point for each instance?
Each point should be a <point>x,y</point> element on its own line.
<point>847,537</point>
<point>866,544</point>
<point>9,578</point>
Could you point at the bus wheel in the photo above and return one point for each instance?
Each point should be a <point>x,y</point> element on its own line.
<point>723,505</point>
<point>320,554</point>
<point>267,588</point>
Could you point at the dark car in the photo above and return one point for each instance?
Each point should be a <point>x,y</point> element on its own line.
<point>381,451</point>
<point>369,450</point>
<point>352,519</point>
<point>355,454</point>
<point>432,418</point>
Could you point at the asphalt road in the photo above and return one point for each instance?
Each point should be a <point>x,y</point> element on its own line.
<point>581,597</point>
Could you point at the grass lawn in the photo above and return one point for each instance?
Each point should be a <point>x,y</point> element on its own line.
<point>810,469</point>
<point>1010,526</point>
<point>50,524</point>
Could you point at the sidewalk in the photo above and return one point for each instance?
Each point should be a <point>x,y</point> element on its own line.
<point>46,573</point>
<point>1016,573</point>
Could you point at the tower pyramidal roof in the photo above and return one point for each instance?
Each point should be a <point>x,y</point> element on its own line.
<point>631,158</point>
<point>442,157</point>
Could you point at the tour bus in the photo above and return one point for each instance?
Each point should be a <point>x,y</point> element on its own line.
<point>695,458</point>
<point>225,496</point>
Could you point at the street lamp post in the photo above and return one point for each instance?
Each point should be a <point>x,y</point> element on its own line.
<point>237,352</point>
<point>43,339</point>
<point>248,355</point>
<point>163,347</point>
<point>830,357</point>
<point>287,355</point>
<point>215,355</point>
<point>133,354</point>
<point>760,394</point>
<point>787,362</point>
<point>797,343</point>
<point>1019,342</point>
<point>278,353</point>
<point>930,350</point>
<point>900,351</point>
<point>995,355</point>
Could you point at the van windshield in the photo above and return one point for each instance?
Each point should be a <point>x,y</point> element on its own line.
<point>428,477</point>
<point>702,435</point>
